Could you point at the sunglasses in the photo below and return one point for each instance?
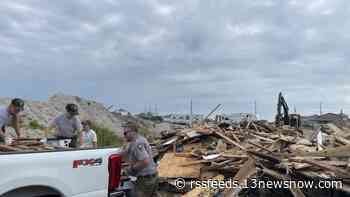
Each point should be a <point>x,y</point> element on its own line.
<point>18,109</point>
<point>127,130</point>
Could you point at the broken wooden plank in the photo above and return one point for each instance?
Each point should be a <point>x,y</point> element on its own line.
<point>255,127</point>
<point>7,148</point>
<point>262,138</point>
<point>229,140</point>
<point>342,151</point>
<point>235,137</point>
<point>259,146</point>
<point>339,172</point>
<point>294,190</point>
<point>342,140</point>
<point>247,171</point>
<point>24,147</point>
<point>269,157</point>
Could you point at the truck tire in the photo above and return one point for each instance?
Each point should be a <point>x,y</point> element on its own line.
<point>33,191</point>
<point>49,196</point>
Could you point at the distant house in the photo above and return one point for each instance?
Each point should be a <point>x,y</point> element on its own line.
<point>235,117</point>
<point>182,118</point>
<point>338,119</point>
<point>122,112</point>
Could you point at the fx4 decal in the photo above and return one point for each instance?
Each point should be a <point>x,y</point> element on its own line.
<point>87,162</point>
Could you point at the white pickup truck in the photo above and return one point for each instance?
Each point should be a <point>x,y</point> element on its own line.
<point>64,173</point>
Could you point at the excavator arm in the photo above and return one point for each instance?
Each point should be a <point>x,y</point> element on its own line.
<point>282,119</point>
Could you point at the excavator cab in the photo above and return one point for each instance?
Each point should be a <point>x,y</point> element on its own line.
<point>295,120</point>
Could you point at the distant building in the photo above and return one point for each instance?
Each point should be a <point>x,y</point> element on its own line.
<point>182,118</point>
<point>122,112</point>
<point>339,120</point>
<point>235,117</point>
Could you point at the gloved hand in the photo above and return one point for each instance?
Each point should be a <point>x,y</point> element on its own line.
<point>129,171</point>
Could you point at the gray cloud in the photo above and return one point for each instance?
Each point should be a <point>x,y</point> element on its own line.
<point>136,53</point>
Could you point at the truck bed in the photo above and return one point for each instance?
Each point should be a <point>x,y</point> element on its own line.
<point>22,147</point>
<point>26,147</point>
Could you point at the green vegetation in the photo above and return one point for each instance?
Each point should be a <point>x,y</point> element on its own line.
<point>106,137</point>
<point>34,124</point>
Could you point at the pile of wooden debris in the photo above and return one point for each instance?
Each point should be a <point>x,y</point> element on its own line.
<point>27,145</point>
<point>252,150</point>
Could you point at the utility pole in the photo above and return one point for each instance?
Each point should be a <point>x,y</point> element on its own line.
<point>191,113</point>
<point>211,112</point>
<point>255,111</point>
<point>320,108</point>
<point>295,110</point>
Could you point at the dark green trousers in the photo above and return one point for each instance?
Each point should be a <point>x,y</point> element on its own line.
<point>146,186</point>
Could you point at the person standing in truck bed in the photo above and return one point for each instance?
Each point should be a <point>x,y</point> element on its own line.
<point>68,125</point>
<point>88,137</point>
<point>10,116</point>
<point>138,153</point>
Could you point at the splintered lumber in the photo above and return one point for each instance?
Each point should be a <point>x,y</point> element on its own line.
<point>262,138</point>
<point>269,157</point>
<point>247,171</point>
<point>259,146</point>
<point>229,140</point>
<point>204,192</point>
<point>7,148</point>
<point>342,140</point>
<point>334,128</point>
<point>235,137</point>
<point>256,128</point>
<point>342,151</point>
<point>294,190</point>
<point>23,147</point>
<point>170,166</point>
<point>265,127</point>
<point>339,172</point>
<point>245,147</point>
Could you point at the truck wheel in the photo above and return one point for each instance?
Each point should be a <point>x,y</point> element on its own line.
<point>33,191</point>
<point>49,196</point>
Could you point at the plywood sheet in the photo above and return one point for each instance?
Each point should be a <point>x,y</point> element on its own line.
<point>171,167</point>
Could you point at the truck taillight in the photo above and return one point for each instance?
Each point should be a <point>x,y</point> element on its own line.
<point>114,168</point>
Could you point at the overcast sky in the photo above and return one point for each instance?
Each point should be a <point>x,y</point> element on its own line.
<point>141,52</point>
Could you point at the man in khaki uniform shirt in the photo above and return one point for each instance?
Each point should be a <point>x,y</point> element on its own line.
<point>139,154</point>
<point>68,125</point>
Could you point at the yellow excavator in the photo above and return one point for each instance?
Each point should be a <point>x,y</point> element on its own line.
<point>293,120</point>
